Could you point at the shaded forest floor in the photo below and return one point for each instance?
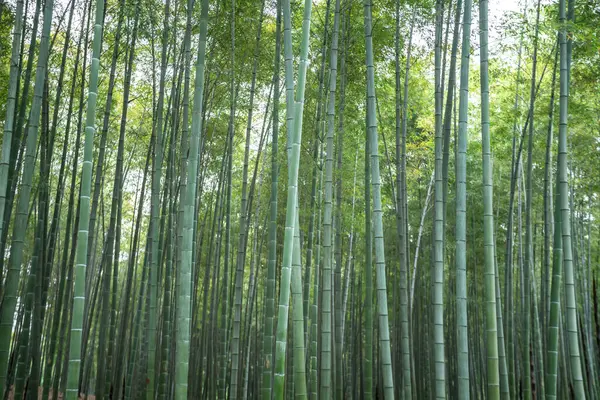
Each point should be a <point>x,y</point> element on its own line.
<point>11,395</point>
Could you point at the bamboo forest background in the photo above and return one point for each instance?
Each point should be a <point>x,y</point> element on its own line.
<point>291,199</point>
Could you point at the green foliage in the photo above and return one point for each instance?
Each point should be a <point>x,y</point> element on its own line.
<point>7,22</point>
<point>205,247</point>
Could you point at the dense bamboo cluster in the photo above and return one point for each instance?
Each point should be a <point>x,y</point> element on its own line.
<point>198,200</point>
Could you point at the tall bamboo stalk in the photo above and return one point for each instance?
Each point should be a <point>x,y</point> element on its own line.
<point>565,208</point>
<point>382,306</point>
<point>493,374</point>
<point>327,366</point>
<point>185,271</point>
<point>439,224</point>
<point>462,320</point>
<point>267,375</point>
<point>15,261</point>
<point>294,112</point>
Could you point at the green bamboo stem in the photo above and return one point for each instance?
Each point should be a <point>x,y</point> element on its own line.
<point>294,112</point>
<point>462,320</point>
<point>439,223</point>
<point>565,210</point>
<point>185,271</point>
<point>326,378</point>
<point>267,374</point>
<point>493,371</point>
<point>382,307</point>
<point>20,224</point>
